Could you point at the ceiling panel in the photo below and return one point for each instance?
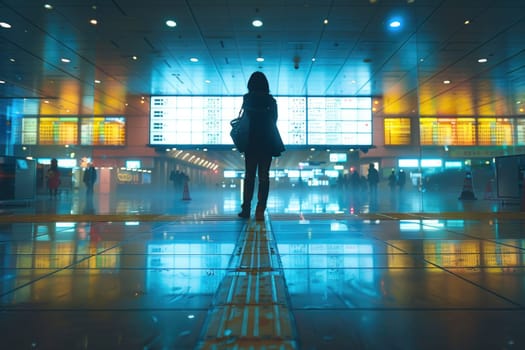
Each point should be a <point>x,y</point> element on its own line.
<point>355,52</point>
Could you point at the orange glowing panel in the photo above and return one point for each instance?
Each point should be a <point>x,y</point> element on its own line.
<point>397,131</point>
<point>427,131</point>
<point>103,131</point>
<point>58,131</point>
<point>448,131</point>
<point>495,132</point>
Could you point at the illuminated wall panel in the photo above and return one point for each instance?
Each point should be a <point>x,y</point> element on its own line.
<point>520,131</point>
<point>192,120</point>
<point>495,131</point>
<point>103,131</point>
<point>29,131</point>
<point>339,121</point>
<point>58,131</point>
<point>448,131</point>
<point>397,131</point>
<point>291,120</point>
<point>205,120</point>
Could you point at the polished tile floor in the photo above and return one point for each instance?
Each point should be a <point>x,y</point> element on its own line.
<point>327,269</point>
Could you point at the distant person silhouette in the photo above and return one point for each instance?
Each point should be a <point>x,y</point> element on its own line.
<point>373,180</point>
<point>53,178</point>
<point>261,108</point>
<point>89,178</point>
<point>401,179</point>
<point>392,181</point>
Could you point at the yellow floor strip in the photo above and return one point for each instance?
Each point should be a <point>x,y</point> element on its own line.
<point>251,309</point>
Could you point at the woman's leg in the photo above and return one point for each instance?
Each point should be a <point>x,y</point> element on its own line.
<point>250,165</point>
<point>265,162</point>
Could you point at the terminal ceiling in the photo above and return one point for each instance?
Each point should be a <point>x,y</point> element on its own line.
<point>326,47</point>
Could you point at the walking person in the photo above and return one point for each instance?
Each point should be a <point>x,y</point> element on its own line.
<point>264,143</point>
<point>89,178</point>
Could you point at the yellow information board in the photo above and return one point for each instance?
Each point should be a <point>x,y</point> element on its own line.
<point>397,131</point>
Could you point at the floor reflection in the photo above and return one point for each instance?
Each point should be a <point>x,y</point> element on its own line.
<point>147,275</point>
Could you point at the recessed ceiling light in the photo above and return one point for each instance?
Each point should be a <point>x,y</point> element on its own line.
<point>93,21</point>
<point>446,81</point>
<point>466,22</point>
<point>5,25</point>
<point>394,24</point>
<point>134,58</point>
<point>97,81</point>
<point>12,60</point>
<point>325,21</point>
<point>171,23</point>
<point>2,81</point>
<point>257,23</point>
<point>260,59</point>
<point>194,59</point>
<point>65,60</point>
<point>48,6</point>
<point>207,81</point>
<point>482,60</point>
<point>313,59</point>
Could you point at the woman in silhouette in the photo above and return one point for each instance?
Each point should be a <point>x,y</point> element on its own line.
<point>264,142</point>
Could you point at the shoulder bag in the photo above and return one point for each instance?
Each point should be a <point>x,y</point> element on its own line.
<point>240,132</point>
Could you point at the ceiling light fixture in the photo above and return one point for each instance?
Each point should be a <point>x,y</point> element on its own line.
<point>93,21</point>
<point>48,6</point>
<point>260,59</point>
<point>97,81</point>
<point>394,24</point>
<point>446,81</point>
<point>5,25</point>
<point>65,60</point>
<point>466,22</point>
<point>194,59</point>
<point>171,23</point>
<point>257,23</point>
<point>482,60</point>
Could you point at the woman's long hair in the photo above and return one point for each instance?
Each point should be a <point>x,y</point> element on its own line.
<point>259,83</point>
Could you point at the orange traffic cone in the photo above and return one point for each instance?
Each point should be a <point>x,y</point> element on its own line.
<point>186,192</point>
<point>468,191</point>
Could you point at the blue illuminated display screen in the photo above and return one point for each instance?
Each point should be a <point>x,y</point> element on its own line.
<point>302,121</point>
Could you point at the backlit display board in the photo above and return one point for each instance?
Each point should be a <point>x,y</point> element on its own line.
<point>339,121</point>
<point>103,131</point>
<point>192,120</point>
<point>397,131</point>
<point>205,120</point>
<point>58,131</point>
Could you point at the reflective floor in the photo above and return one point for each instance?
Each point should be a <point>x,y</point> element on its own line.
<point>327,269</point>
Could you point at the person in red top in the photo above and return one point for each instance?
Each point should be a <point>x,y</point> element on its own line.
<point>53,178</point>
